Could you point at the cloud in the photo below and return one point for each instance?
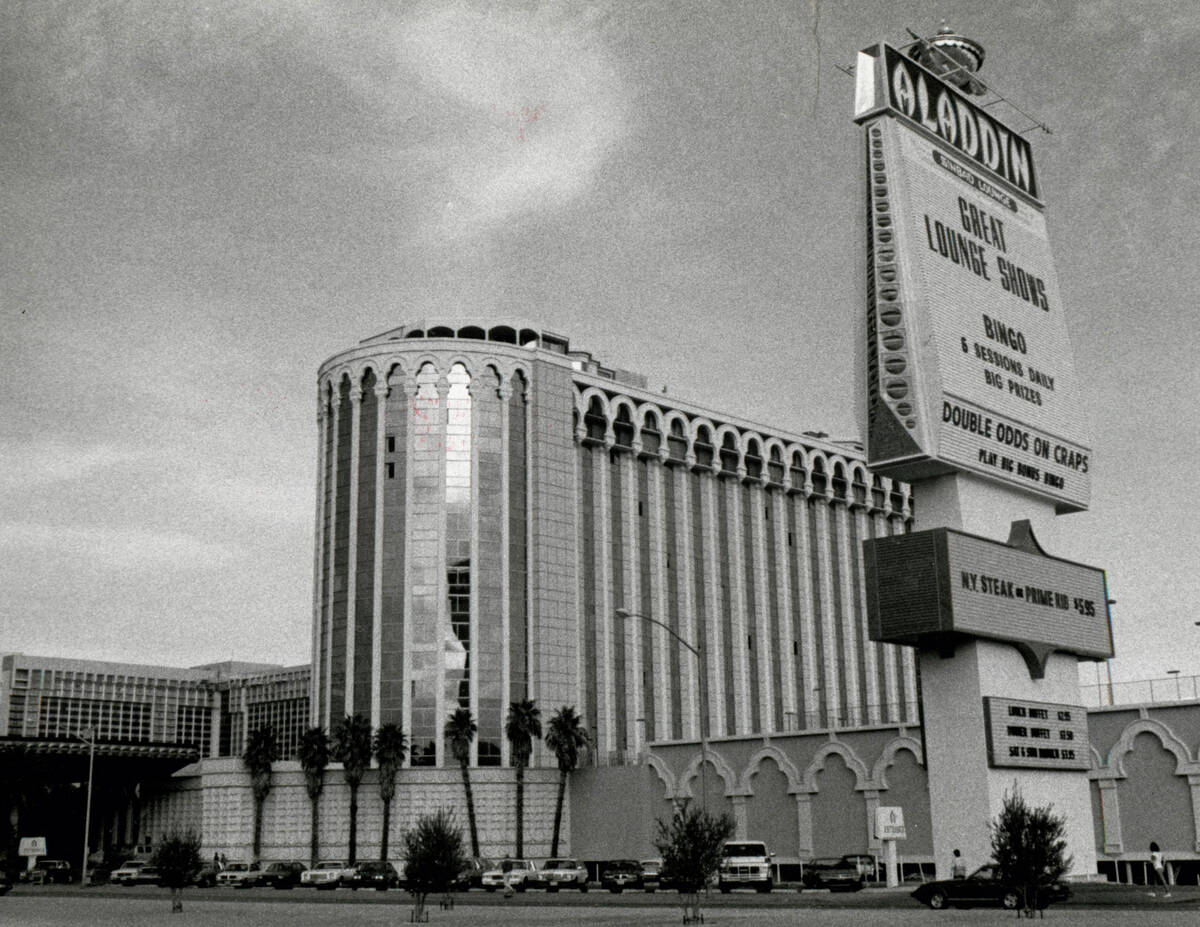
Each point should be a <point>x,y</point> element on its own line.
<point>536,101</point>
<point>120,548</point>
<point>26,465</point>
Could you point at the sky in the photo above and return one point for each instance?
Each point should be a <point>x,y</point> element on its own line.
<point>202,202</point>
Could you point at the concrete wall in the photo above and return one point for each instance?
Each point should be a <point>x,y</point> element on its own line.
<point>213,798</point>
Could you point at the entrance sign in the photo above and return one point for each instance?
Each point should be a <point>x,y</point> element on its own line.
<point>889,823</point>
<point>32,846</point>
<point>930,588</point>
<point>969,364</point>
<point>1036,735</point>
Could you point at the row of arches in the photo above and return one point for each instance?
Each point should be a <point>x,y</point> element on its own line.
<point>404,371</point>
<point>672,436</point>
<point>738,783</point>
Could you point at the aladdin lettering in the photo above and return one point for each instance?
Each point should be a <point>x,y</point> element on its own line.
<point>929,103</point>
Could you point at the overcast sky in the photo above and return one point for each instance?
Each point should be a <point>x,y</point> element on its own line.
<point>201,202</point>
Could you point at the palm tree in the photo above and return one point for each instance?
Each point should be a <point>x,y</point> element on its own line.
<point>567,737</point>
<point>262,749</point>
<point>522,727</point>
<point>314,757</point>
<point>352,748</point>
<point>459,731</point>
<point>391,746</point>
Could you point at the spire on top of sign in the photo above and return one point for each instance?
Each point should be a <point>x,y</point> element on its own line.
<point>952,57</point>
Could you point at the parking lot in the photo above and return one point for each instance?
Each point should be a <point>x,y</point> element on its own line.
<point>51,906</point>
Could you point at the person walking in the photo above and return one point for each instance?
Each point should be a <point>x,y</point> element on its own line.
<point>1157,864</point>
<point>958,866</point>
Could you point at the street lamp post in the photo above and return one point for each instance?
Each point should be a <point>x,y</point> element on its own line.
<point>697,652</point>
<point>88,737</point>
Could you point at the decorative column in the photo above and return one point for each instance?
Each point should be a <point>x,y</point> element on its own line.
<point>356,395</point>
<point>381,394</point>
<point>331,580</point>
<point>690,665</point>
<point>505,392</point>
<point>804,823</point>
<point>788,658</point>
<point>314,681</point>
<point>739,816</point>
<point>1110,814</point>
<point>736,649</point>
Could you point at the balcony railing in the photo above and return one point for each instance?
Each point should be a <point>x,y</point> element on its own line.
<point>1140,691</point>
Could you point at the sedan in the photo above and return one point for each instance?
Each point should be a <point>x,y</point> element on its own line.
<point>620,874</point>
<point>838,874</point>
<point>236,872</point>
<point>377,874</point>
<point>562,873</point>
<point>511,873</point>
<point>277,875</point>
<point>50,871</point>
<point>326,874</point>
<point>985,887</point>
<point>471,874</point>
<point>146,875</point>
<point>124,873</point>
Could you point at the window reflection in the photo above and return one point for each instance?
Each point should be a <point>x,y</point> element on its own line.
<point>456,634</point>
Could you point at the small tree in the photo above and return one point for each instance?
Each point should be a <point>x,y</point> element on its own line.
<point>352,748</point>
<point>391,746</point>
<point>433,853</point>
<point>313,754</point>
<point>1029,848</point>
<point>178,861</point>
<point>690,846</point>
<point>262,749</point>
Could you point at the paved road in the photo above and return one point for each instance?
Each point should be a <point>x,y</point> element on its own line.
<point>145,907</point>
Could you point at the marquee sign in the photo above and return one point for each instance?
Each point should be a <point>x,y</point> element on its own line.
<point>935,587</point>
<point>969,364</point>
<point>1036,735</point>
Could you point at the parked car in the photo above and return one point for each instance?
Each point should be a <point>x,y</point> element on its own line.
<point>146,875</point>
<point>236,871</point>
<point>652,875</point>
<point>127,870</point>
<point>838,874</point>
<point>375,873</point>
<point>561,873</point>
<point>619,874</point>
<point>50,872</point>
<point>207,876</point>
<point>745,864</point>
<point>279,874</point>
<point>471,874</point>
<point>511,872</point>
<point>326,874</point>
<point>983,886</point>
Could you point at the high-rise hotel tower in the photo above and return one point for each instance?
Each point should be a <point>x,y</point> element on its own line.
<point>498,513</point>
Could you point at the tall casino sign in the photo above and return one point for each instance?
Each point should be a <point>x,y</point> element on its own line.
<point>969,366</point>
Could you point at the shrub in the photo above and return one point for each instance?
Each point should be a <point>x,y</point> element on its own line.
<point>1029,849</point>
<point>433,852</point>
<point>691,851</point>
<point>178,862</point>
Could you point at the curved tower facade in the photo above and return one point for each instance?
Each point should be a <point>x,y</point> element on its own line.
<point>497,512</point>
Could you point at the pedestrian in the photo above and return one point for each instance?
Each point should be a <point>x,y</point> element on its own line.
<point>217,861</point>
<point>958,866</point>
<point>1157,864</point>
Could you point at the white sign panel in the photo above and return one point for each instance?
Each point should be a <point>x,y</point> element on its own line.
<point>32,846</point>
<point>969,362</point>
<point>889,823</point>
